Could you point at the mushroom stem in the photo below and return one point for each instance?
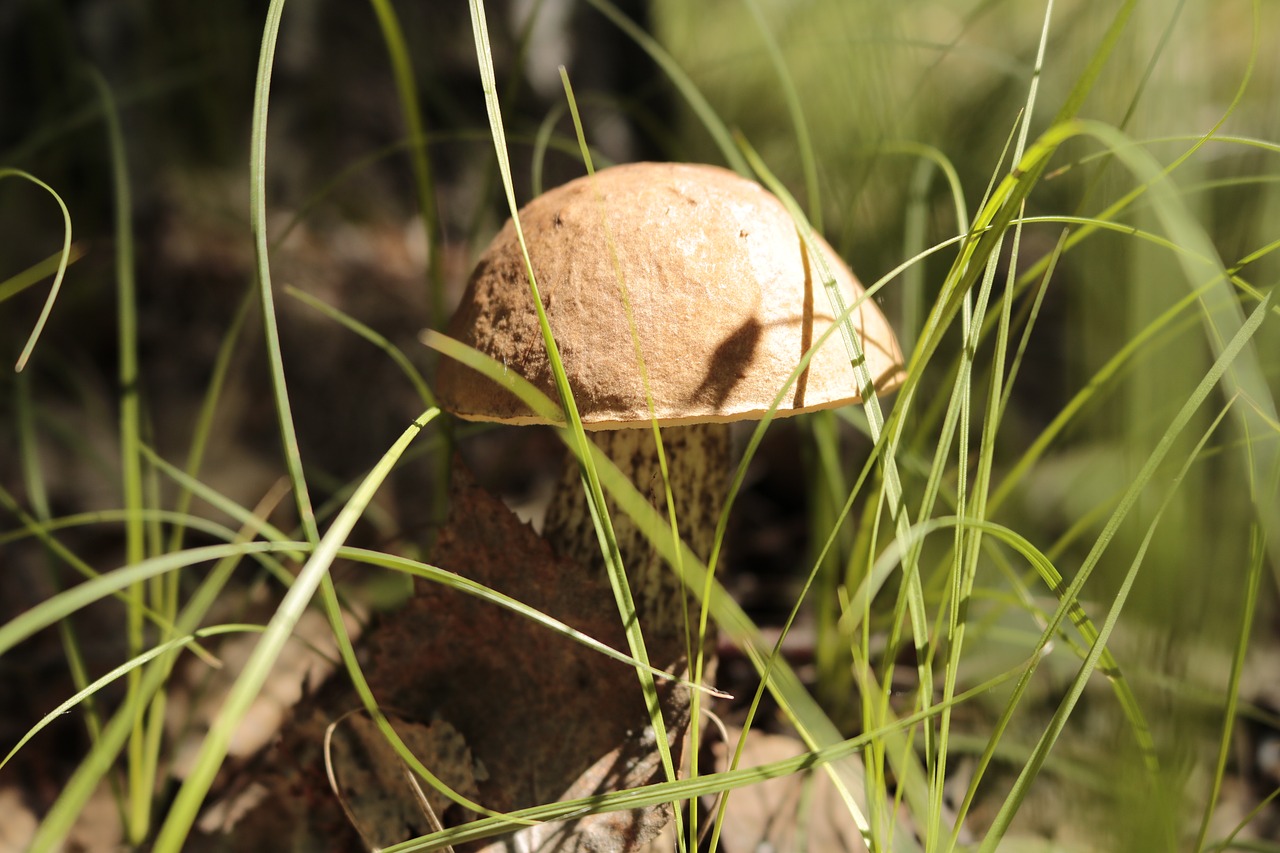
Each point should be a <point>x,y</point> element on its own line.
<point>698,466</point>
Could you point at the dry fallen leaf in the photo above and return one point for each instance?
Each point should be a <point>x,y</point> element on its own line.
<point>800,811</point>
<point>514,714</point>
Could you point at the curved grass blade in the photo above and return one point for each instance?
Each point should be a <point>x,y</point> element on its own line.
<point>682,789</point>
<point>696,642</point>
<point>203,427</point>
<point>696,100</point>
<point>604,528</point>
<point>893,494</point>
<point>258,225</point>
<point>352,324</point>
<point>1098,644</point>
<point>791,96</point>
<point>212,752</point>
<point>407,91</point>
<point>20,282</point>
<point>103,754</point>
<point>1229,715</point>
<point>118,672</point>
<point>141,772</point>
<point>63,604</point>
<point>815,728</point>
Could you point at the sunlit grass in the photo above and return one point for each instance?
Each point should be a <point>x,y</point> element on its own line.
<point>1069,213</point>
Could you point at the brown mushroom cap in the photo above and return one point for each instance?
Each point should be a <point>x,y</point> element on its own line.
<point>722,298</point>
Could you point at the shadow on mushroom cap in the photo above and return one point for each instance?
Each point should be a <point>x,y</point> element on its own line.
<point>709,271</point>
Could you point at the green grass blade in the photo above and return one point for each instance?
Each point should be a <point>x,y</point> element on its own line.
<point>1123,203</point>
<point>203,428</point>
<point>258,225</point>
<point>790,94</point>
<point>20,282</point>
<point>33,476</point>
<point>1097,649</point>
<point>683,789</point>
<point>695,644</point>
<point>814,727</point>
<point>773,658</point>
<point>893,493</point>
<point>1219,369</point>
<point>352,324</point>
<point>609,546</point>
<point>33,527</point>
<point>141,771</point>
<point>696,100</point>
<point>407,92</point>
<point>1229,715</point>
<point>256,526</point>
<point>37,272</point>
<point>1224,320</point>
<point>432,232</point>
<point>966,561</point>
<point>212,752</point>
<point>116,673</point>
<point>103,754</point>
<point>469,587</point>
<point>62,605</point>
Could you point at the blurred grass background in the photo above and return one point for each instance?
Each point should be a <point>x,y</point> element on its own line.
<point>877,85</point>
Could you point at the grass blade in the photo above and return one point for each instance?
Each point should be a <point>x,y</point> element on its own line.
<point>212,752</point>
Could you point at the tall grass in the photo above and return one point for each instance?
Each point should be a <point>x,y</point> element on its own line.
<point>1036,571</point>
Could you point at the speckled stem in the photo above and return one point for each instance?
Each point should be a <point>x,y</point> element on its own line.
<point>698,464</point>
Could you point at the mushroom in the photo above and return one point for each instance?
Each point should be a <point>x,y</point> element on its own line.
<point>712,275</point>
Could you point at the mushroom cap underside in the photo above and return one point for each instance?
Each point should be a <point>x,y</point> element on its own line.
<point>685,280</point>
